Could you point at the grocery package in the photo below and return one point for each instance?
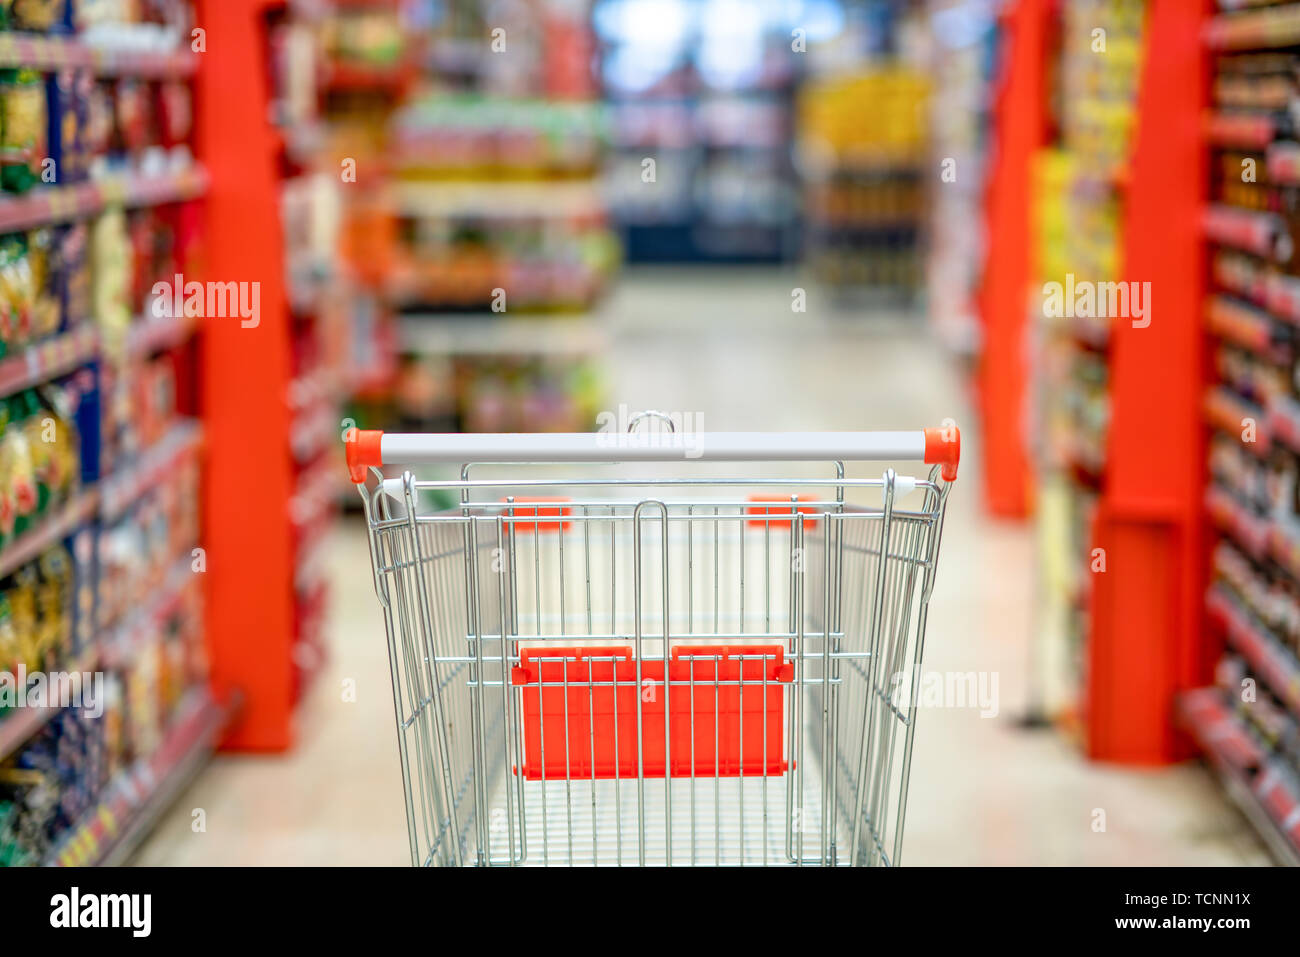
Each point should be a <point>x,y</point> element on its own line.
<point>40,451</point>
<point>23,129</point>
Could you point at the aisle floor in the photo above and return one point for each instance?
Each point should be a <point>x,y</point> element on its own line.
<point>726,344</point>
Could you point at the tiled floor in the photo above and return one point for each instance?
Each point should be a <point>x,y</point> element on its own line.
<point>727,345</point>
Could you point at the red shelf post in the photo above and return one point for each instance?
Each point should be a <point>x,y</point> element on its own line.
<point>244,373</point>
<point>1019,132</point>
<point>1146,641</point>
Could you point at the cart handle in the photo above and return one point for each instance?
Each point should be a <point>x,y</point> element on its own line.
<point>371,448</point>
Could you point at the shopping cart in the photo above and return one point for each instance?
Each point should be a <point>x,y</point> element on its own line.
<point>674,669</point>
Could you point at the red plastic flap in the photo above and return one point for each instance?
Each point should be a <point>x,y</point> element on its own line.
<point>743,721</point>
<point>789,509</point>
<point>535,510</point>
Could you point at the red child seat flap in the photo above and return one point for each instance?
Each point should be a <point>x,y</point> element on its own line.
<point>742,722</point>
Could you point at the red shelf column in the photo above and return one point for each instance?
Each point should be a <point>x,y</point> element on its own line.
<point>1019,132</point>
<point>244,372</point>
<point>1146,642</point>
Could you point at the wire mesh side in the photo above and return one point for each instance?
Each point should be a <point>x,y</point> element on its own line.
<point>869,740</point>
<point>653,577</point>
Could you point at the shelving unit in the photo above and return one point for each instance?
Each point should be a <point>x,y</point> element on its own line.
<point>726,187</point>
<point>268,392</point>
<point>1002,376</point>
<point>98,358</point>
<point>486,241</point>
<point>1144,643</point>
<point>1264,796</point>
<point>863,140</point>
<point>18,728</point>
<point>113,828</point>
<point>1112,409</point>
<point>1248,723</point>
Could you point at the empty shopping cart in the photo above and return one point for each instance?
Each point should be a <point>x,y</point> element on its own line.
<point>705,663</point>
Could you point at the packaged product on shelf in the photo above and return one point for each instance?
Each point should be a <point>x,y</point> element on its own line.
<point>23,132</point>
<point>37,614</point>
<point>72,244</point>
<point>175,112</point>
<point>96,105</point>
<point>132,117</point>
<point>371,36</point>
<point>38,16</point>
<point>139,406</point>
<point>69,104</point>
<point>17,293</point>
<point>110,255</point>
<point>140,550</point>
<point>32,280</point>
<point>143,705</point>
<point>49,785</point>
<point>17,470</point>
<point>40,454</point>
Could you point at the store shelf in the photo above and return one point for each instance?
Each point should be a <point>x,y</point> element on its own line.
<point>488,334</point>
<point>48,531</point>
<point>1284,545</point>
<point>158,334</point>
<point>1284,422</point>
<point>1250,531</point>
<point>151,469</point>
<point>1227,411</point>
<point>500,200</point>
<point>1255,29</point>
<point>123,643</point>
<point>1282,163</point>
<point>19,724</point>
<point>60,204</point>
<point>1283,297</point>
<point>111,831</point>
<point>313,431</point>
<point>50,53</point>
<point>174,187</point>
<point>341,76</point>
<point>1276,665</point>
<point>1248,778</point>
<point>1261,234</point>
<point>1244,325</point>
<point>1242,130</point>
<point>52,204</point>
<point>47,360</point>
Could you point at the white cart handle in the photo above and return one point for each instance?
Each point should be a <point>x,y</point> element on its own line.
<point>373,448</point>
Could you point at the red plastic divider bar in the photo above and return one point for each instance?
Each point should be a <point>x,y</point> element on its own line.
<point>516,513</point>
<point>789,509</point>
<point>601,718</point>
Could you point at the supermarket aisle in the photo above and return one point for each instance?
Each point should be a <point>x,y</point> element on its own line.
<point>728,345</point>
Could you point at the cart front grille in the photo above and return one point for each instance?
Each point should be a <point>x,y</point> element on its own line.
<point>529,645</point>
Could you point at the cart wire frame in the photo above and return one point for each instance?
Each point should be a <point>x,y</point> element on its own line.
<point>838,591</point>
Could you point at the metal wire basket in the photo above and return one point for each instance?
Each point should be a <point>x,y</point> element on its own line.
<point>673,670</point>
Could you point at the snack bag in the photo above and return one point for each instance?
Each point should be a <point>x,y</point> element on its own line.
<point>22,473</point>
<point>8,508</point>
<point>40,429</point>
<point>17,292</point>
<point>9,649</point>
<point>59,464</point>
<point>23,131</point>
<point>47,307</point>
<point>111,277</point>
<point>36,15</point>
<point>22,603</point>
